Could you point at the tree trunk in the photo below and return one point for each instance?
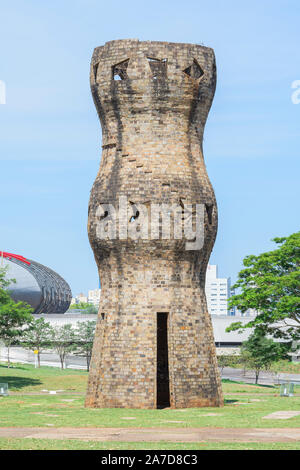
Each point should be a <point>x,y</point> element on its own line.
<point>256,376</point>
<point>39,360</point>
<point>8,358</point>
<point>62,361</point>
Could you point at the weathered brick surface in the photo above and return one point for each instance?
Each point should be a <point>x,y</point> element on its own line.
<point>152,129</point>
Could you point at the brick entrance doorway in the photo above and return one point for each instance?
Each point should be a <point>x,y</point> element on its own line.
<point>162,362</point>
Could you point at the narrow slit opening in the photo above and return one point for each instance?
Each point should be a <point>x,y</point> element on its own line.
<point>135,214</point>
<point>209,211</point>
<point>162,362</point>
<point>95,71</point>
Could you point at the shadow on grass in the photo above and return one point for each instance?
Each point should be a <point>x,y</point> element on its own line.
<point>14,367</point>
<point>228,381</point>
<point>228,402</point>
<point>16,383</point>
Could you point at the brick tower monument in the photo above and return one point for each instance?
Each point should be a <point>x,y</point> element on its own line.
<point>154,344</point>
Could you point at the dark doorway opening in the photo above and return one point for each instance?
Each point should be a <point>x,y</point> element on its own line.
<point>162,362</point>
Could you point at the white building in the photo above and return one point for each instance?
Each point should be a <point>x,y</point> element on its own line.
<point>80,298</point>
<point>249,313</point>
<point>94,297</point>
<point>217,292</point>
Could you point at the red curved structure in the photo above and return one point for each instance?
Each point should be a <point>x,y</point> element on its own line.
<point>3,254</point>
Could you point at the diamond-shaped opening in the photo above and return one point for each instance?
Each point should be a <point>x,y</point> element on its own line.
<point>194,70</point>
<point>119,71</point>
<point>158,67</point>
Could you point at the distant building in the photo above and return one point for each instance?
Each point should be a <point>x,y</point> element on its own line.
<point>249,313</point>
<point>217,292</point>
<point>94,297</point>
<point>79,298</point>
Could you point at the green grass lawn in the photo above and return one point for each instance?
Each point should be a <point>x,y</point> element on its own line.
<point>58,411</point>
<point>232,386</point>
<point>71,444</point>
<point>66,408</point>
<point>287,367</point>
<point>25,378</point>
<point>245,406</point>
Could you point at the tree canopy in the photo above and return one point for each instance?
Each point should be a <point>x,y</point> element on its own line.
<point>85,333</point>
<point>270,284</point>
<point>88,308</point>
<point>37,337</point>
<point>63,341</point>
<point>259,352</point>
<point>13,315</point>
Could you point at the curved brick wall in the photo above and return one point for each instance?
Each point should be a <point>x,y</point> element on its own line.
<point>154,343</point>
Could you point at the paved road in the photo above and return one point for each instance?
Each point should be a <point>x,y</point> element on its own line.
<point>158,434</point>
<point>75,362</point>
<point>47,359</point>
<point>265,378</point>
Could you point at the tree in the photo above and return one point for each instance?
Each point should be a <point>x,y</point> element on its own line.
<point>13,315</point>
<point>245,360</point>
<point>88,308</point>
<point>259,353</point>
<point>84,340</point>
<point>63,340</point>
<point>270,284</point>
<point>227,360</point>
<point>3,281</point>
<point>37,337</point>
<point>91,309</point>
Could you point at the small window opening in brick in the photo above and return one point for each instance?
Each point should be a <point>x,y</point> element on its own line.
<point>135,216</point>
<point>158,67</point>
<point>209,210</point>
<point>119,71</point>
<point>104,215</point>
<point>194,70</point>
<point>182,207</point>
<point>102,315</point>
<point>136,213</point>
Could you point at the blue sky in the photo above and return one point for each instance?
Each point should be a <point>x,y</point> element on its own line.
<point>50,138</point>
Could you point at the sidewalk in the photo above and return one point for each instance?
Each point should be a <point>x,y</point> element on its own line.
<point>158,434</point>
